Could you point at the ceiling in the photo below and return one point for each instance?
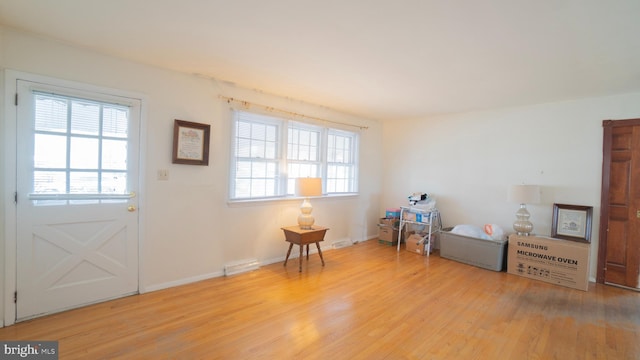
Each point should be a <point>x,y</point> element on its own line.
<point>378,59</point>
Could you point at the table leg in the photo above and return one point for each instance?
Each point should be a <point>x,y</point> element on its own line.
<point>320,253</point>
<point>307,252</point>
<point>288,253</point>
<point>300,259</point>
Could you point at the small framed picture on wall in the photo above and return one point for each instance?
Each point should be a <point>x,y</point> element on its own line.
<point>572,222</point>
<point>190,143</point>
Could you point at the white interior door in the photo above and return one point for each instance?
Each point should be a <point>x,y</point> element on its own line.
<point>77,218</point>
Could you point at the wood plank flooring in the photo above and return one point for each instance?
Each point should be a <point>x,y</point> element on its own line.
<point>368,302</point>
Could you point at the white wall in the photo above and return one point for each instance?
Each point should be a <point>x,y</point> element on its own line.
<point>467,161</point>
<point>190,231</point>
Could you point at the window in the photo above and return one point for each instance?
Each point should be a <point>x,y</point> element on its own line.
<point>257,157</point>
<point>303,153</point>
<point>80,146</point>
<point>341,162</point>
<point>270,153</point>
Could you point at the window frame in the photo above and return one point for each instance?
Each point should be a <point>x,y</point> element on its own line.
<point>267,121</point>
<point>88,95</point>
<point>353,163</point>
<point>70,136</point>
<point>283,177</point>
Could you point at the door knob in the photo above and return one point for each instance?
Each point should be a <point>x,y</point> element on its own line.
<point>131,208</point>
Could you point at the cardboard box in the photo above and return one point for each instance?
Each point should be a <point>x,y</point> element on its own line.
<point>388,233</point>
<point>388,243</point>
<point>416,244</point>
<point>555,261</point>
<point>421,217</point>
<point>392,222</point>
<point>409,216</point>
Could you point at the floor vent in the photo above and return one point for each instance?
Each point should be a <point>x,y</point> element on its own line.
<point>241,266</point>
<point>342,243</point>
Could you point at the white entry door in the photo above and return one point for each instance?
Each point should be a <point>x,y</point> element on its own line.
<point>77,218</point>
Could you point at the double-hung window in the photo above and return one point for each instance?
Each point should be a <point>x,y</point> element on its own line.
<point>257,157</point>
<point>341,161</point>
<point>269,153</point>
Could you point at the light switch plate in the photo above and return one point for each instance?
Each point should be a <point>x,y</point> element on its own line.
<point>163,174</point>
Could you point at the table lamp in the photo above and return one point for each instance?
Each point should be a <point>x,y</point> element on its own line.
<point>307,187</point>
<point>524,194</point>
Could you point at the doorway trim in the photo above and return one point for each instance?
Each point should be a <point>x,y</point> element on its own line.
<point>9,249</point>
<point>607,126</point>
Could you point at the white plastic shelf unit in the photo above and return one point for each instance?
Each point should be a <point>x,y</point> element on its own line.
<point>427,218</point>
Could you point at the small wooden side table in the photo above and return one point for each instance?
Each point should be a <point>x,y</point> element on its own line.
<point>302,237</point>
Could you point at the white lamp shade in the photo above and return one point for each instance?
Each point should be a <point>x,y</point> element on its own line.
<point>524,194</point>
<point>308,187</point>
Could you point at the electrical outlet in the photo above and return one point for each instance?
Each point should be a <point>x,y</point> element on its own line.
<point>163,174</point>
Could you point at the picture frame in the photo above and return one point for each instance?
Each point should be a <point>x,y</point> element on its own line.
<point>190,143</point>
<point>572,222</point>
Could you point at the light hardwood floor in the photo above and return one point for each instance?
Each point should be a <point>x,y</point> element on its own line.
<point>368,302</point>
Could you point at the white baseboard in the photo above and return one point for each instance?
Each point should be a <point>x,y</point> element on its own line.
<point>241,266</point>
<point>341,243</point>
<point>184,281</point>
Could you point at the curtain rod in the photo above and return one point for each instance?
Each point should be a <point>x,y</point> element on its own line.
<point>269,108</point>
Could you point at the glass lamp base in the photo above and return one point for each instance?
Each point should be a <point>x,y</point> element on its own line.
<point>522,225</point>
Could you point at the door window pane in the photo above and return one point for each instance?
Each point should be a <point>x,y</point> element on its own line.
<point>114,182</point>
<point>50,151</point>
<point>84,153</point>
<point>85,118</point>
<point>50,182</point>
<point>51,114</point>
<point>83,182</point>
<point>115,121</point>
<point>114,154</point>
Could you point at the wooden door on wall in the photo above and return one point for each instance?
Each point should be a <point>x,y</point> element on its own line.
<point>619,250</point>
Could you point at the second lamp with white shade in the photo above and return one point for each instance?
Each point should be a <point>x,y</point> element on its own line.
<point>307,187</point>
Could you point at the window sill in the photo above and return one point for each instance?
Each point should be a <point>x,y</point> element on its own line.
<point>268,201</point>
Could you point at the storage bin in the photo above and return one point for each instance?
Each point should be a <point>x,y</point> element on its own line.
<point>487,254</point>
<point>392,213</point>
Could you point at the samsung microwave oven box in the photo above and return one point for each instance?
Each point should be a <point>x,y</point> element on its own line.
<point>556,261</point>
